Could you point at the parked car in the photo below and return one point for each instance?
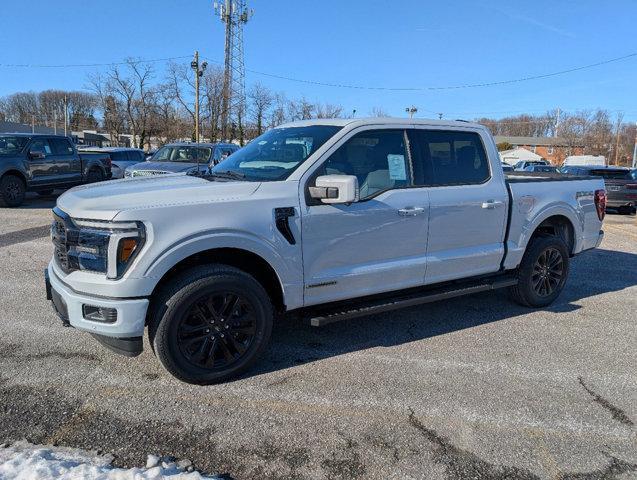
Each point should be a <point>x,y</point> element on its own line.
<point>121,158</point>
<point>506,167</point>
<point>42,163</point>
<point>541,168</point>
<point>522,164</point>
<point>182,157</point>
<point>621,184</point>
<point>322,219</point>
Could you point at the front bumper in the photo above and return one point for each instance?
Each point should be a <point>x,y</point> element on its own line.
<point>131,313</point>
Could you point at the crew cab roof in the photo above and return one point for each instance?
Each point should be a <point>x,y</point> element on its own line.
<point>354,122</point>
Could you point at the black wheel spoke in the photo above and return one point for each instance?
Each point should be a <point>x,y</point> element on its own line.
<point>217,330</point>
<point>547,272</point>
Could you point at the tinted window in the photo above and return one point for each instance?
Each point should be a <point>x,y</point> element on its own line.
<point>277,153</point>
<point>186,154</point>
<point>40,145</point>
<point>10,145</point>
<point>449,158</point>
<point>118,156</point>
<point>612,174</point>
<point>378,158</point>
<point>61,146</point>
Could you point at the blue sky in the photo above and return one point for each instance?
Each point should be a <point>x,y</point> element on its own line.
<point>400,43</point>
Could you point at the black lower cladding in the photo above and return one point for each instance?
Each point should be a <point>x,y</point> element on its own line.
<point>129,347</point>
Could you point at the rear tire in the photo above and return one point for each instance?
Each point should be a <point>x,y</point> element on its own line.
<point>542,273</point>
<point>12,191</point>
<point>94,176</point>
<point>625,210</point>
<point>210,324</point>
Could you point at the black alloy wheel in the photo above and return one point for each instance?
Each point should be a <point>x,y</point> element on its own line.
<point>12,191</point>
<point>217,330</point>
<point>548,272</point>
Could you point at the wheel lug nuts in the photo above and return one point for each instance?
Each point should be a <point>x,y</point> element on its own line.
<point>222,335</point>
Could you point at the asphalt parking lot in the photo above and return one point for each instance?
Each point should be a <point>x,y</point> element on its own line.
<point>477,387</point>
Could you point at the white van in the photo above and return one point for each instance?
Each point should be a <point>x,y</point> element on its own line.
<point>593,160</point>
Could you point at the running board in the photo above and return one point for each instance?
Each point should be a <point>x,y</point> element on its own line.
<point>324,316</point>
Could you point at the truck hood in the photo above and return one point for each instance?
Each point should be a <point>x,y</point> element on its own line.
<point>103,201</point>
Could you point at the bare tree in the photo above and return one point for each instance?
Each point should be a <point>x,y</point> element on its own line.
<point>213,101</point>
<point>261,99</point>
<point>327,110</point>
<point>378,112</point>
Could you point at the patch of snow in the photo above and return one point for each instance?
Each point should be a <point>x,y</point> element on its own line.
<point>24,461</point>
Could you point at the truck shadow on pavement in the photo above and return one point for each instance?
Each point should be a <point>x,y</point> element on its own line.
<point>294,342</point>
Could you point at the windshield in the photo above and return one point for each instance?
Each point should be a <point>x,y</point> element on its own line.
<point>277,153</point>
<point>11,145</point>
<point>187,154</point>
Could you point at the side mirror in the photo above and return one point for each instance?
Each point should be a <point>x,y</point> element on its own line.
<point>36,154</point>
<point>335,189</point>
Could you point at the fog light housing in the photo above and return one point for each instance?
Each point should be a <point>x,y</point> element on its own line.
<point>99,314</point>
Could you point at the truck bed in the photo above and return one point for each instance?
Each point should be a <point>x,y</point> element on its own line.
<point>522,177</point>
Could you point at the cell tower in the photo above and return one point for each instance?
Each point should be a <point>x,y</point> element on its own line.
<point>234,13</point>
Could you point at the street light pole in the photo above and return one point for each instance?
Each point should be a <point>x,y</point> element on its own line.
<point>411,110</point>
<point>198,73</point>
<point>635,149</point>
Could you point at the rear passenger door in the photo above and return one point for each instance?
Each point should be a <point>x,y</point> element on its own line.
<point>67,162</point>
<point>467,202</point>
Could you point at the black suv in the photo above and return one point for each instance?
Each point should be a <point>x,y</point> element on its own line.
<point>621,185</point>
<point>42,163</point>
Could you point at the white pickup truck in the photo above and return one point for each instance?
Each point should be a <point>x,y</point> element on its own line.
<point>329,219</point>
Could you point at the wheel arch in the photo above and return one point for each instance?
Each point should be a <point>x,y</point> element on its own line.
<point>17,173</point>
<point>244,260</point>
<point>557,225</point>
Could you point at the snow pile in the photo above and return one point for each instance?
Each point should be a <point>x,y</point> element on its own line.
<point>23,461</point>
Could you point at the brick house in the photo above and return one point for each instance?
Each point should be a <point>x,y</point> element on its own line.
<point>553,149</point>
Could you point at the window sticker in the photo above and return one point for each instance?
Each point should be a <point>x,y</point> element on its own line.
<point>47,149</point>
<point>396,165</point>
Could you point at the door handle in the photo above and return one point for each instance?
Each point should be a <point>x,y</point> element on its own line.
<point>411,211</point>
<point>491,204</point>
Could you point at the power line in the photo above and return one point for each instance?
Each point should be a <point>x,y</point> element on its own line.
<point>86,65</point>
<point>446,87</point>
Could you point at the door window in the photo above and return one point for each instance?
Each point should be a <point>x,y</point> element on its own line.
<point>41,145</point>
<point>378,158</point>
<point>61,146</point>
<point>449,158</point>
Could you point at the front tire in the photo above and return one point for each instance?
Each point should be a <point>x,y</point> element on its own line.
<point>542,273</point>
<point>12,191</point>
<point>210,324</point>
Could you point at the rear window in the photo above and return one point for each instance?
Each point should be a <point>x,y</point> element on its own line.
<point>450,158</point>
<point>61,146</point>
<point>613,174</point>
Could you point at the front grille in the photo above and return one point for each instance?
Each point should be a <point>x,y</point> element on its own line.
<point>148,173</point>
<point>64,235</point>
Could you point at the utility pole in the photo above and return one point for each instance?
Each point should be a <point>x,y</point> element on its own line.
<point>557,122</point>
<point>66,113</point>
<point>198,73</point>
<point>55,123</point>
<point>235,14</point>
<point>619,123</point>
<point>32,123</point>
<point>411,110</point>
<point>635,148</point>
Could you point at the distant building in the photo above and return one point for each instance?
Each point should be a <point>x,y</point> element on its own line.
<point>92,138</point>
<point>553,149</point>
<point>13,127</point>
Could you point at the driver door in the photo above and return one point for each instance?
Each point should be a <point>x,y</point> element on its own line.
<point>373,245</point>
<point>42,170</point>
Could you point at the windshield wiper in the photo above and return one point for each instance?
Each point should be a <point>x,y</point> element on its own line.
<point>230,174</point>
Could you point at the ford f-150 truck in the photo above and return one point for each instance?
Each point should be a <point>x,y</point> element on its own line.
<point>42,163</point>
<point>322,219</point>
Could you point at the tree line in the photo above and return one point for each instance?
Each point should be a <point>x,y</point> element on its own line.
<point>132,99</point>
<point>598,131</point>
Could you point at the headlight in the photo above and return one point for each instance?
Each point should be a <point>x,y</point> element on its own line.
<point>106,247</point>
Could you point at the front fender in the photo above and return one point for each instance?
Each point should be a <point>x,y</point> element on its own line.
<point>289,277</point>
